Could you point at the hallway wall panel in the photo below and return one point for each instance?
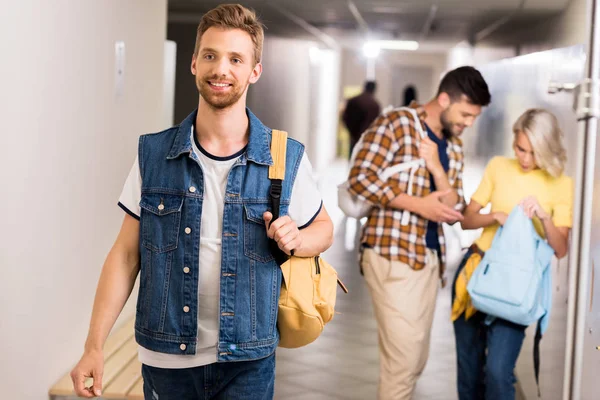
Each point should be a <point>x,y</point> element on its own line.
<point>69,138</point>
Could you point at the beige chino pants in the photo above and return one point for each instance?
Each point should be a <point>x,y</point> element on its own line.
<point>404,303</point>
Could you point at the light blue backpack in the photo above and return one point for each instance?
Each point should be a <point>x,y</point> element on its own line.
<point>513,280</point>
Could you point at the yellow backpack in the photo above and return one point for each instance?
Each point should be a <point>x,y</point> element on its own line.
<point>308,290</point>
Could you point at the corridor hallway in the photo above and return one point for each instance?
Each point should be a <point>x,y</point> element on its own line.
<point>106,72</point>
<point>343,363</point>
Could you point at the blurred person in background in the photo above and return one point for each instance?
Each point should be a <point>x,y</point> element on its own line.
<point>410,95</point>
<point>360,112</point>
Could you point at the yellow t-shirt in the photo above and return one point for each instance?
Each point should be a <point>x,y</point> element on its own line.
<point>504,185</point>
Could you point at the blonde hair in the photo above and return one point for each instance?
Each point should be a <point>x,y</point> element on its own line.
<point>542,129</point>
<point>233,16</point>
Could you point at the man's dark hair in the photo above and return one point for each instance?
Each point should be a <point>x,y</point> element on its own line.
<point>370,87</point>
<point>466,81</point>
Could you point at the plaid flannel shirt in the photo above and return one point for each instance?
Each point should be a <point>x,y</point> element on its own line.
<point>392,139</point>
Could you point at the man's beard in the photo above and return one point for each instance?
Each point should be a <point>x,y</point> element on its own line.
<point>216,100</point>
<point>449,129</point>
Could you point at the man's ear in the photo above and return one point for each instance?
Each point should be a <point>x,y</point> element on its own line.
<point>256,73</point>
<point>444,100</point>
<point>193,66</point>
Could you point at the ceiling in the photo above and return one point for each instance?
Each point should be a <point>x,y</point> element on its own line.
<point>437,24</point>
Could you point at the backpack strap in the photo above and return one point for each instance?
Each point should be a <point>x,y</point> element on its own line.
<point>277,170</point>
<point>417,121</point>
<point>278,153</point>
<point>277,175</point>
<point>536,355</point>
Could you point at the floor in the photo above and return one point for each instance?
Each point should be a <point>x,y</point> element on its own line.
<point>343,362</point>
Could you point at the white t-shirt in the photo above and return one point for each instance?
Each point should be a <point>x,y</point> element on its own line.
<point>305,204</point>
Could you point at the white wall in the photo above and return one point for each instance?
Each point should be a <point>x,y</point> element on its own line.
<point>281,97</point>
<point>418,77</point>
<point>299,95</point>
<point>325,81</point>
<point>465,54</point>
<point>169,73</point>
<point>67,145</point>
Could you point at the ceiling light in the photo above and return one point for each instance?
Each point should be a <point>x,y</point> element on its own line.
<point>314,54</point>
<point>371,50</point>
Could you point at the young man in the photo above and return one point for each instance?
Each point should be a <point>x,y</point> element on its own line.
<point>360,112</point>
<point>197,230</point>
<point>402,262</point>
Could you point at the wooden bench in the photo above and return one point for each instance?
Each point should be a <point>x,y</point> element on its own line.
<point>122,377</point>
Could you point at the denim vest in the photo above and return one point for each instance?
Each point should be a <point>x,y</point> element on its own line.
<point>170,220</point>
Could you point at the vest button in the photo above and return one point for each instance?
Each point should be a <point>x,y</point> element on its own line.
<point>192,189</point>
<point>186,270</point>
<point>161,207</point>
<point>182,346</point>
<point>188,230</point>
<point>186,309</point>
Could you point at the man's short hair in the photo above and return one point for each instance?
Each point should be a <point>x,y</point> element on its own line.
<point>466,81</point>
<point>370,86</point>
<point>233,16</point>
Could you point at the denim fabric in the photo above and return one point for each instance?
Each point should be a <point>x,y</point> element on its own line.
<point>481,375</point>
<point>251,380</point>
<point>170,220</point>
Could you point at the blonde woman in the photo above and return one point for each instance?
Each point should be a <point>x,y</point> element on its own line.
<point>486,354</point>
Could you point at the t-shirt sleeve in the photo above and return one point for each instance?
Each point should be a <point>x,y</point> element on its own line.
<point>483,194</point>
<point>562,212</point>
<point>131,195</point>
<point>306,201</point>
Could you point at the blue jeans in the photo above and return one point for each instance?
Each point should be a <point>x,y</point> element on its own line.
<point>252,380</point>
<point>490,375</point>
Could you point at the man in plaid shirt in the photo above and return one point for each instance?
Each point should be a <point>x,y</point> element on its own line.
<point>402,260</point>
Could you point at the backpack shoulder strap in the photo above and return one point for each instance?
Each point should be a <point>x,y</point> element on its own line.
<point>278,153</point>
<point>416,120</point>
<point>277,175</point>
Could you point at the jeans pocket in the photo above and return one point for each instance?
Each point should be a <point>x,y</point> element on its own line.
<point>160,220</point>
<point>256,241</point>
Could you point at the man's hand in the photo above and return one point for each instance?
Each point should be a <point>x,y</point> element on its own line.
<point>432,208</point>
<point>500,217</point>
<point>284,231</point>
<point>91,365</point>
<point>428,150</point>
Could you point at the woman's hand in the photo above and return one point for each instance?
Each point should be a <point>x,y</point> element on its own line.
<point>532,208</point>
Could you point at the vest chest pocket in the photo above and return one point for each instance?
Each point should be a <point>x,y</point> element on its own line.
<point>160,220</point>
<point>256,241</point>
